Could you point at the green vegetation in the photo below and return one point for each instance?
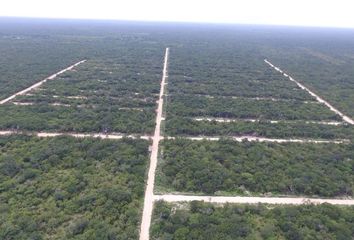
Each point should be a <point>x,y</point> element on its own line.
<point>233,69</point>
<point>66,188</point>
<point>322,60</point>
<point>324,170</point>
<point>26,60</point>
<point>43,117</point>
<point>194,106</point>
<point>177,126</point>
<point>114,91</point>
<point>202,221</point>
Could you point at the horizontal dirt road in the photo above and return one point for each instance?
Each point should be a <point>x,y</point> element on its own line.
<point>262,139</point>
<point>227,120</point>
<point>76,135</point>
<point>147,137</point>
<point>252,200</point>
<point>318,98</point>
<point>40,83</point>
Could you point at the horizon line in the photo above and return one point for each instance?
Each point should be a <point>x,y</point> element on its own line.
<point>178,22</point>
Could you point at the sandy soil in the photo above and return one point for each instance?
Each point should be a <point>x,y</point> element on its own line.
<point>34,86</point>
<point>226,120</point>
<point>262,139</point>
<point>149,192</point>
<point>318,98</point>
<point>252,200</point>
<point>146,137</point>
<point>76,135</point>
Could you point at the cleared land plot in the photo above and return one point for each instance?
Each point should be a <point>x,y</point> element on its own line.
<point>245,108</point>
<point>250,168</point>
<point>66,188</point>
<point>176,126</point>
<point>199,220</point>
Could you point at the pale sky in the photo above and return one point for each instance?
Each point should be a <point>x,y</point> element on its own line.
<point>332,13</point>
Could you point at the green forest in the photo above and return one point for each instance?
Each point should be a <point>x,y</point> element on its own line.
<point>66,188</point>
<point>203,221</point>
<point>322,62</point>
<point>253,168</point>
<point>245,108</point>
<point>44,117</point>
<point>177,126</point>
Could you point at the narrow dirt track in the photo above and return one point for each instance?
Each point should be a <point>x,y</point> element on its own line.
<point>318,98</point>
<point>252,200</point>
<point>227,120</point>
<point>147,137</point>
<point>76,135</point>
<point>262,139</point>
<point>149,192</point>
<point>36,85</point>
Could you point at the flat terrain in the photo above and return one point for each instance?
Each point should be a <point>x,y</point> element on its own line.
<point>257,168</point>
<point>207,221</point>
<point>227,115</point>
<point>64,188</point>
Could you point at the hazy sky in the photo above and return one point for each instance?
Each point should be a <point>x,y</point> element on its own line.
<point>335,13</point>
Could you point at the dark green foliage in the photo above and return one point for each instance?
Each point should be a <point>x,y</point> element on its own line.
<point>245,108</point>
<point>296,129</point>
<point>43,117</point>
<point>321,60</point>
<point>296,169</point>
<point>202,221</point>
<point>114,91</point>
<point>65,188</point>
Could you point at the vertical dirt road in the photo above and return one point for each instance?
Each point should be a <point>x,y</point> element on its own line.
<point>149,192</point>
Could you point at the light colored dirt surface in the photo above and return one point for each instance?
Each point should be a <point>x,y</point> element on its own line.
<point>252,200</point>
<point>262,139</point>
<point>318,98</point>
<point>120,136</point>
<point>226,120</point>
<point>33,103</point>
<point>76,135</point>
<point>149,192</point>
<point>34,86</point>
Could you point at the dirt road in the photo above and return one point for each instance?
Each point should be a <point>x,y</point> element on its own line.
<point>147,137</point>
<point>40,83</point>
<point>149,192</point>
<point>252,200</point>
<point>262,139</point>
<point>227,120</point>
<point>318,98</point>
<point>76,135</point>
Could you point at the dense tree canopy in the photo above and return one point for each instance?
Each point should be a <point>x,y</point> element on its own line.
<point>258,168</point>
<point>202,221</point>
<point>65,188</point>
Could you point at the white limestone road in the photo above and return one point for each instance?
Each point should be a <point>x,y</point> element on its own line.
<point>149,191</point>
<point>318,98</point>
<point>228,120</point>
<point>36,85</point>
<point>75,135</point>
<point>253,200</point>
<point>261,139</point>
<point>147,137</point>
